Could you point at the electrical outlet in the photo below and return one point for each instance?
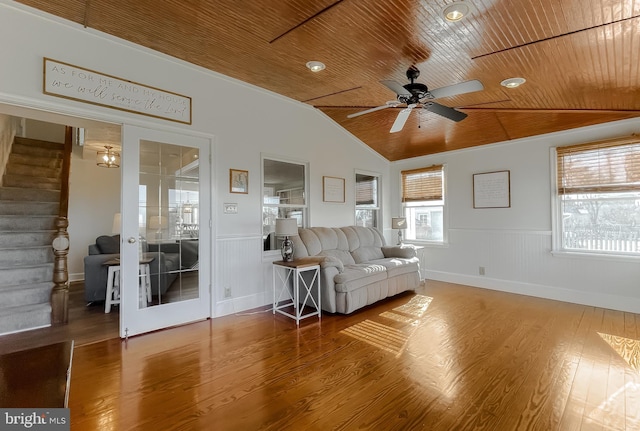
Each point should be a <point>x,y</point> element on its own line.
<point>227,292</point>
<point>481,270</point>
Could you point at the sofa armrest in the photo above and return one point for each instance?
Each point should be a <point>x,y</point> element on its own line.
<point>330,261</point>
<point>401,251</point>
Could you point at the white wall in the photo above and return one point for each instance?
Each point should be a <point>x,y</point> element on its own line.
<point>44,131</point>
<point>514,244</point>
<point>243,122</point>
<point>94,198</point>
<point>8,129</point>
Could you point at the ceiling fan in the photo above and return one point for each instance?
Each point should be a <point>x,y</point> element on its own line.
<point>415,94</point>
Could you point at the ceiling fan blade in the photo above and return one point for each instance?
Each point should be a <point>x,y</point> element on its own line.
<point>396,88</point>
<point>401,119</point>
<point>389,104</point>
<point>455,89</point>
<point>445,111</point>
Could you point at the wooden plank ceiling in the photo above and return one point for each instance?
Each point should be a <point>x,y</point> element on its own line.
<point>581,58</point>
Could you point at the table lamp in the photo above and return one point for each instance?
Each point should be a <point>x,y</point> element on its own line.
<point>287,227</point>
<point>399,223</point>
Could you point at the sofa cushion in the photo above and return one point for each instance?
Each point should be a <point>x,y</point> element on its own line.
<point>189,252</point>
<point>108,244</point>
<point>403,251</point>
<point>359,275</point>
<point>366,254</point>
<point>358,236</point>
<point>342,255</point>
<point>398,266</point>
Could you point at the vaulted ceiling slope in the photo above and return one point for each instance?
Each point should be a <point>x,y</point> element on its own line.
<point>580,59</point>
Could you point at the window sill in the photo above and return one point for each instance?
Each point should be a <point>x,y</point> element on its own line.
<point>596,256</point>
<point>431,244</point>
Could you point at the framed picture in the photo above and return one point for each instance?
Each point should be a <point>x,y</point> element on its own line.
<point>333,189</point>
<point>492,190</point>
<point>238,181</point>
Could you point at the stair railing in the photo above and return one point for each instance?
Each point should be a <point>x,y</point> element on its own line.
<point>60,244</point>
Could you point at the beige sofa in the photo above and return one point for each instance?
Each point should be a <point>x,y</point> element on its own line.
<point>358,269</point>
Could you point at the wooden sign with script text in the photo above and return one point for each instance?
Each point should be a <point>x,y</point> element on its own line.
<point>76,83</point>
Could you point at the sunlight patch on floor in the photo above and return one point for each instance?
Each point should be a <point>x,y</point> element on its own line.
<point>378,335</point>
<point>416,307</point>
<point>627,348</point>
<point>388,338</point>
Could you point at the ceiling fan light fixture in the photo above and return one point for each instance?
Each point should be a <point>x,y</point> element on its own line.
<point>316,66</point>
<point>456,11</point>
<point>513,82</point>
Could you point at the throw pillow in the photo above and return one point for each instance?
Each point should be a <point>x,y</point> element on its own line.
<point>108,244</point>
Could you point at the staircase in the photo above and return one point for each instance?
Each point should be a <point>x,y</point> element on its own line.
<point>29,206</point>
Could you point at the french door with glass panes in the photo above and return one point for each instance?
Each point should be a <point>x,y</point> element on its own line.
<point>165,252</point>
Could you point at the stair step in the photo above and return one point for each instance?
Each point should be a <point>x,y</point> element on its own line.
<point>15,296</point>
<point>31,182</point>
<point>13,257</point>
<point>18,194</point>
<point>37,147</point>
<point>32,171</point>
<point>26,239</point>
<point>29,274</point>
<point>20,223</point>
<point>30,160</point>
<point>29,204</point>
<point>24,318</point>
<point>29,208</point>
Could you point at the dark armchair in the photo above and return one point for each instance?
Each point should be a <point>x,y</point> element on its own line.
<point>164,267</point>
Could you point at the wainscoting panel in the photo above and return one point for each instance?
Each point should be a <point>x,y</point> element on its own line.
<point>520,261</point>
<point>239,283</point>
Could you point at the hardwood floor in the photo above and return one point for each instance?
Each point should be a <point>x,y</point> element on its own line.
<point>448,357</point>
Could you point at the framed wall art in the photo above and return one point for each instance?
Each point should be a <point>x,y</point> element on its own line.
<point>238,181</point>
<point>492,190</point>
<point>333,189</point>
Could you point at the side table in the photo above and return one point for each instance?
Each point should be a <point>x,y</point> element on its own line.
<point>290,276</point>
<point>113,283</point>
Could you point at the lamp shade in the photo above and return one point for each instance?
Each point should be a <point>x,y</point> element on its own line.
<point>286,227</point>
<point>117,223</point>
<point>398,223</point>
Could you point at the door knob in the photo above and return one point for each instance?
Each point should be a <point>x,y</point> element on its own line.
<point>131,240</point>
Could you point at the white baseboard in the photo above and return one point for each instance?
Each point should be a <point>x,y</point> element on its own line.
<point>76,277</point>
<point>594,299</point>
<point>241,304</point>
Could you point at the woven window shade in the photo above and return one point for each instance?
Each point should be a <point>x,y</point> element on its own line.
<point>366,190</point>
<point>599,167</point>
<point>424,184</point>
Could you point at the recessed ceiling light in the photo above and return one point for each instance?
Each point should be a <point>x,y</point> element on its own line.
<point>513,82</point>
<point>315,66</point>
<point>456,11</point>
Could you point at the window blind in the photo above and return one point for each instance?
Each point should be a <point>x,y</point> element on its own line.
<point>424,184</point>
<point>599,167</point>
<point>366,190</point>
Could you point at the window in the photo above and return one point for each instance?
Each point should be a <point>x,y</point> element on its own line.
<point>284,196</point>
<point>367,200</point>
<point>423,203</point>
<point>598,197</point>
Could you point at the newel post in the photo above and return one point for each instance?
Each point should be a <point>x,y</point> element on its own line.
<point>60,292</point>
